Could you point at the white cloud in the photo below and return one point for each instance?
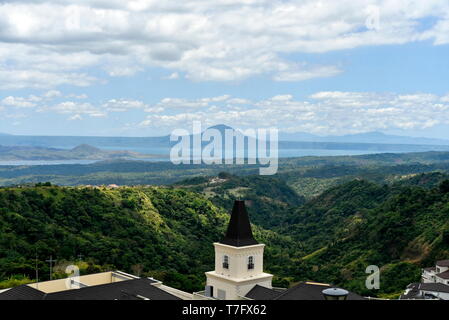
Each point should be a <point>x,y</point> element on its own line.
<point>52,94</point>
<point>173,76</point>
<point>238,101</point>
<point>32,101</point>
<point>327,112</point>
<point>47,44</point>
<point>445,98</point>
<point>301,75</point>
<point>74,108</point>
<point>76,117</point>
<point>179,103</point>
<point>19,79</point>
<point>122,105</point>
<point>155,110</point>
<point>285,97</point>
<point>77,96</point>
<point>323,113</point>
<point>18,102</point>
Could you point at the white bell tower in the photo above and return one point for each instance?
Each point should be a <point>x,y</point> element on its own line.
<point>238,259</point>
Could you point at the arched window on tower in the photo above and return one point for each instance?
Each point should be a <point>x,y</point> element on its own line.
<point>250,262</point>
<point>225,262</point>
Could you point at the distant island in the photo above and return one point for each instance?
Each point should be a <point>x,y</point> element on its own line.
<point>30,150</point>
<point>81,152</point>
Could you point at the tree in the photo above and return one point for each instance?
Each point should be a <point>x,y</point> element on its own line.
<point>444,186</point>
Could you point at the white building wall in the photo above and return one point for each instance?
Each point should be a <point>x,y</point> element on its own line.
<point>441,295</point>
<point>238,260</point>
<point>441,269</point>
<point>238,280</point>
<point>235,290</point>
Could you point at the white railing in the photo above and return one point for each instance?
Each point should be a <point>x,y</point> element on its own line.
<point>201,295</point>
<point>178,293</point>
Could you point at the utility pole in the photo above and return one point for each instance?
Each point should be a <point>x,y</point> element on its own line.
<point>51,266</point>
<point>37,273</point>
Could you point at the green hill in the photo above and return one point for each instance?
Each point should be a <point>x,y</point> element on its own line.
<point>268,199</point>
<point>352,226</point>
<point>81,152</point>
<point>167,232</point>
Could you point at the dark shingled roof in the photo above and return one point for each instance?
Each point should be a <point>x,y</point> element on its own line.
<point>123,290</point>
<point>417,288</point>
<point>310,291</point>
<point>443,275</point>
<point>443,263</point>
<point>302,291</point>
<point>413,293</point>
<point>22,292</point>
<point>239,231</point>
<point>436,287</point>
<point>262,293</point>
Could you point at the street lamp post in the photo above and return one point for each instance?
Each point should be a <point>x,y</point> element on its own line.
<point>335,294</point>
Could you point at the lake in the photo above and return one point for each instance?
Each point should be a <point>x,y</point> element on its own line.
<point>283,153</point>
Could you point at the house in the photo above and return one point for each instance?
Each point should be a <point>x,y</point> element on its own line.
<point>434,283</point>
<point>426,291</point>
<point>437,274</point>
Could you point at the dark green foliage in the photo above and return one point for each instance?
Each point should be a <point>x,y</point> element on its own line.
<point>167,231</point>
<point>160,228</point>
<point>269,200</point>
<point>444,186</point>
<point>399,226</point>
<point>359,224</point>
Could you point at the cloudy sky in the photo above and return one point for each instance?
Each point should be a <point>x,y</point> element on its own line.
<point>146,67</point>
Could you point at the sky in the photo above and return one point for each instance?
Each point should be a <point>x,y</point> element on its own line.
<point>147,67</point>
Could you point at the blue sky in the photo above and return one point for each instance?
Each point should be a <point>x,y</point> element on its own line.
<point>144,68</point>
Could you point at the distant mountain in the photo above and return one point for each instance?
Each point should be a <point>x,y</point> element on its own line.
<point>87,149</point>
<point>298,136</point>
<point>368,137</point>
<point>371,142</point>
<point>221,127</point>
<point>81,152</point>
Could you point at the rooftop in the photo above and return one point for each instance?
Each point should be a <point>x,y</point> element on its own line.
<point>418,290</point>
<point>132,288</point>
<point>239,231</point>
<point>302,291</point>
<point>436,287</point>
<point>443,275</point>
<point>443,263</point>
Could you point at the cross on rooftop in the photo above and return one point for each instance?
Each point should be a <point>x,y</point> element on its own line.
<point>51,266</point>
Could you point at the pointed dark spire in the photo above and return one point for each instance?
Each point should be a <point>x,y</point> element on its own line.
<point>239,232</point>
